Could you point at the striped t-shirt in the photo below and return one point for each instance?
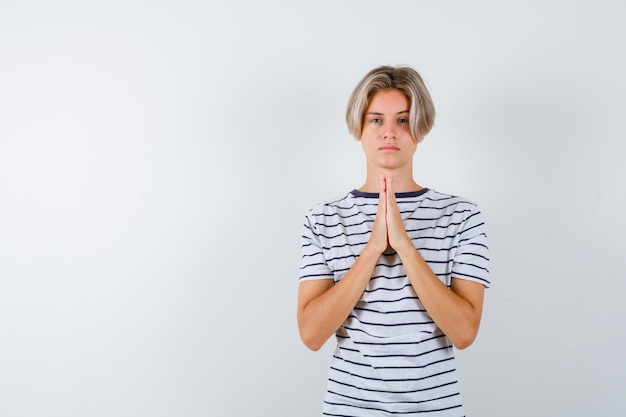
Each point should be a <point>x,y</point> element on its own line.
<point>391,359</point>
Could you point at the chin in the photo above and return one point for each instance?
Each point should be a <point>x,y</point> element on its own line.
<point>390,165</point>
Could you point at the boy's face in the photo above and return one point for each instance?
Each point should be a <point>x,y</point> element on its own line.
<point>387,139</point>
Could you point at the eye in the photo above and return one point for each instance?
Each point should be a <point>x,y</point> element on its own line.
<point>403,120</point>
<point>376,120</point>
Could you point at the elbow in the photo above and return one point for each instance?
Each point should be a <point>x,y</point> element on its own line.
<point>313,345</point>
<point>466,338</point>
<point>310,333</point>
<point>463,342</point>
<point>310,341</point>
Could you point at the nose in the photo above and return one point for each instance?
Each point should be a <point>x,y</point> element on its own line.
<point>390,132</point>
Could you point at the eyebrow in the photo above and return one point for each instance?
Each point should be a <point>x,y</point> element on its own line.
<point>381,114</point>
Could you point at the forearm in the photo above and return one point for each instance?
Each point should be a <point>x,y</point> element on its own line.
<point>320,317</point>
<point>456,316</point>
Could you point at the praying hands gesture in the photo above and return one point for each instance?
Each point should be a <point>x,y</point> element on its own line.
<point>388,228</point>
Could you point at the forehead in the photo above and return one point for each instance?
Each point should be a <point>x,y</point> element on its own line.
<point>388,101</point>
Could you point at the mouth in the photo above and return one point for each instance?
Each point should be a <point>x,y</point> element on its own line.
<point>389,149</point>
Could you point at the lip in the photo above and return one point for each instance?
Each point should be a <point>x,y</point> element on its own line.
<point>389,149</point>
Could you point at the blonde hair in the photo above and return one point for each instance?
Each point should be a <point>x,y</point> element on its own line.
<point>402,78</point>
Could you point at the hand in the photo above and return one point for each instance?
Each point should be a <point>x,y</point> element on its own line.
<point>388,228</point>
<point>396,233</point>
<point>378,240</point>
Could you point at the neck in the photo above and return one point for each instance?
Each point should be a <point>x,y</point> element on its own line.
<point>402,182</point>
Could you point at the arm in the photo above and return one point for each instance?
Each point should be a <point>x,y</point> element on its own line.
<point>323,306</point>
<point>456,311</point>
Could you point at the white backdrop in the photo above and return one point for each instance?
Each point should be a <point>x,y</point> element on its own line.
<point>157,159</point>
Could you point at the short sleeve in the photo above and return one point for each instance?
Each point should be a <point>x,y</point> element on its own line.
<point>313,263</point>
<point>471,261</point>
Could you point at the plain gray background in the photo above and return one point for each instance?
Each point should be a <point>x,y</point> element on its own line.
<point>157,159</point>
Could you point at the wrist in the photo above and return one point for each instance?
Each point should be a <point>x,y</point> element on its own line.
<point>371,251</point>
<point>406,249</point>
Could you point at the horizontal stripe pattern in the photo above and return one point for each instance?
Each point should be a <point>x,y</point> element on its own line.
<point>391,359</point>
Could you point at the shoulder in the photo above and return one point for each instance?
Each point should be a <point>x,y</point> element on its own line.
<point>441,200</point>
<point>335,212</point>
<point>332,206</point>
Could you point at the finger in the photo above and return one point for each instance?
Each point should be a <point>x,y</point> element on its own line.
<point>379,231</point>
<point>391,196</point>
<point>382,197</point>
